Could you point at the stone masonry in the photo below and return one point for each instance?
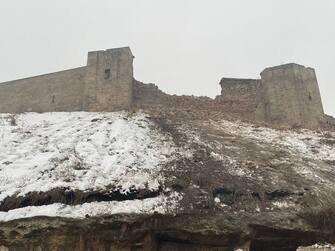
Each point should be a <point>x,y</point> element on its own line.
<point>285,95</point>
<point>105,84</point>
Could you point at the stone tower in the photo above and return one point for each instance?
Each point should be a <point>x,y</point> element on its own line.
<point>109,80</point>
<point>290,96</point>
<point>104,84</point>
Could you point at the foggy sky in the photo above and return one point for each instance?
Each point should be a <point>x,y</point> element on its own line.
<point>184,46</point>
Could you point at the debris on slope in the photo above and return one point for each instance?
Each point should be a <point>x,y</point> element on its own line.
<point>200,182</point>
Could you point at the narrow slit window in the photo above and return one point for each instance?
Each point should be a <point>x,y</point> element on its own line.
<point>107,73</point>
<point>310,97</point>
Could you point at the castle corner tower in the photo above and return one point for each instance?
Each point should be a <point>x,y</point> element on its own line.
<point>291,96</point>
<point>109,80</point>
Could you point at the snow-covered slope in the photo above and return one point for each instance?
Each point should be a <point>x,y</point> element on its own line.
<point>217,176</point>
<point>123,152</point>
<point>81,151</point>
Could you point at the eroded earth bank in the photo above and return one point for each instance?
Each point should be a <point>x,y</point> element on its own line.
<point>162,179</point>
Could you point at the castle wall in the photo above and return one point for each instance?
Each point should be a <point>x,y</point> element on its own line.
<point>105,84</point>
<point>240,95</point>
<point>147,95</point>
<point>285,95</point>
<point>60,91</point>
<point>291,96</point>
<point>329,120</point>
<point>155,101</point>
<point>109,80</point>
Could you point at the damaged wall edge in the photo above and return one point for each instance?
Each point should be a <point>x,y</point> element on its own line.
<point>285,94</point>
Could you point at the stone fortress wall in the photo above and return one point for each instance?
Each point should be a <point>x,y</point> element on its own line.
<point>291,94</point>
<point>240,96</point>
<point>109,80</point>
<point>61,91</point>
<point>105,84</point>
<point>284,95</point>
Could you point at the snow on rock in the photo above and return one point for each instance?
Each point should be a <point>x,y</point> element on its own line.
<point>161,204</point>
<point>320,247</point>
<point>80,150</point>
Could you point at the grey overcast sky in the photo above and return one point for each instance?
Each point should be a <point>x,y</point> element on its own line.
<point>184,46</point>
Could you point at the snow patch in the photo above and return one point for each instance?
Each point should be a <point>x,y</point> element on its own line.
<point>305,143</point>
<point>80,150</point>
<point>283,204</point>
<point>160,205</point>
<point>310,149</point>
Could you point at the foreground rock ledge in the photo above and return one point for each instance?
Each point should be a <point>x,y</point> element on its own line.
<point>157,232</point>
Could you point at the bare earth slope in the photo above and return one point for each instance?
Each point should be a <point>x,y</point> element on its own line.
<point>162,180</point>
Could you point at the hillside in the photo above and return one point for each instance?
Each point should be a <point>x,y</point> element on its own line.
<point>97,181</point>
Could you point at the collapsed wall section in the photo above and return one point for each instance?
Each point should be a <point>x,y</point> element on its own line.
<point>147,95</point>
<point>240,96</point>
<point>60,91</point>
<point>150,97</point>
